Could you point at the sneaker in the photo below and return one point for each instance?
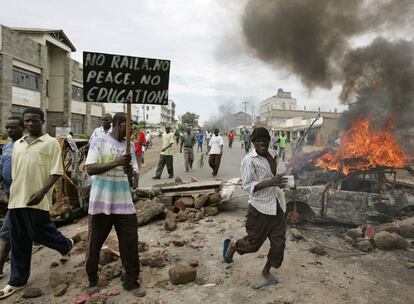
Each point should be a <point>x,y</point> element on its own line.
<point>156,177</point>
<point>171,176</point>
<point>134,287</point>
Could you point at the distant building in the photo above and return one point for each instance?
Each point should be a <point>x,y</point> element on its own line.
<point>279,113</point>
<point>240,119</point>
<point>36,71</point>
<point>156,115</point>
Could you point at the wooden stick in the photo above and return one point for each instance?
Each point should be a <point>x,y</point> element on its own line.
<point>128,139</point>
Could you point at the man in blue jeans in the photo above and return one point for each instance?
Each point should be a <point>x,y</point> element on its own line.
<point>36,166</point>
<point>14,130</point>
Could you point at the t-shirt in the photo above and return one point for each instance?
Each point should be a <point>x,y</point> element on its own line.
<point>215,143</point>
<point>98,132</point>
<point>200,137</point>
<point>31,167</point>
<point>6,166</point>
<point>282,141</point>
<point>167,138</point>
<point>275,140</point>
<point>188,140</point>
<point>139,143</point>
<point>110,191</point>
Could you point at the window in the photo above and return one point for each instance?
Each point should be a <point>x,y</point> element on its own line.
<point>147,108</point>
<point>77,123</point>
<point>153,107</point>
<point>77,93</point>
<point>146,116</point>
<point>25,79</point>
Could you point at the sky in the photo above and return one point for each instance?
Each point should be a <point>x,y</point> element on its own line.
<point>202,38</point>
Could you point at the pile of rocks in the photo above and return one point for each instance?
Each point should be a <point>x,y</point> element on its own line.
<point>385,236</point>
<point>191,208</point>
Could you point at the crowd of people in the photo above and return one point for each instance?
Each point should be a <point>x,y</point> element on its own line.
<point>31,163</point>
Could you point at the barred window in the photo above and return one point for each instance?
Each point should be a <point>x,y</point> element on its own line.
<point>25,79</point>
<point>77,93</point>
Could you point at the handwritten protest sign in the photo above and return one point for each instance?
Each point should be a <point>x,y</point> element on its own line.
<point>125,79</point>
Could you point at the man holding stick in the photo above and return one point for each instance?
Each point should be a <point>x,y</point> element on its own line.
<point>111,204</point>
<point>266,213</point>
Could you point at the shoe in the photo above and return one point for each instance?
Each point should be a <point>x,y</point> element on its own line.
<point>171,176</point>
<point>134,287</point>
<point>156,177</point>
<point>186,171</point>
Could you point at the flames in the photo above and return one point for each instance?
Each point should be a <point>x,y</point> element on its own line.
<point>364,147</point>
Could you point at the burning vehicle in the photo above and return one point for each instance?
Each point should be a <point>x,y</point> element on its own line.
<point>366,179</point>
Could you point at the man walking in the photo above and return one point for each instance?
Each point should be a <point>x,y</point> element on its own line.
<point>247,141</point>
<point>266,213</point>
<point>200,137</point>
<point>14,130</point>
<point>110,204</point>
<point>166,155</point>
<point>215,147</point>
<point>188,142</point>
<point>36,166</point>
<point>230,136</point>
<point>282,145</point>
<point>275,142</point>
<point>106,127</point>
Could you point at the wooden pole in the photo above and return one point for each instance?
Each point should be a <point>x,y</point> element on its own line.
<point>128,139</point>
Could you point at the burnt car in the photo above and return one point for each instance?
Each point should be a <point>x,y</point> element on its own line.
<point>371,196</point>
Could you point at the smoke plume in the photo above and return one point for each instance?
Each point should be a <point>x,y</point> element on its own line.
<point>312,39</point>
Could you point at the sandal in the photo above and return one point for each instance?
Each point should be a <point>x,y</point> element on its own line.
<point>9,290</point>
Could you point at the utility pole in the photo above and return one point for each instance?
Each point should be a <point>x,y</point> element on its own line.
<point>245,113</point>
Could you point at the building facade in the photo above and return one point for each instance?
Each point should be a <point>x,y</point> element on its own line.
<point>36,70</point>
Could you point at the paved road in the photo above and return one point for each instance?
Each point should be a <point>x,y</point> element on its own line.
<point>229,168</point>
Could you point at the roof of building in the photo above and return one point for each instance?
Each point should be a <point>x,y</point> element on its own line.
<point>56,34</point>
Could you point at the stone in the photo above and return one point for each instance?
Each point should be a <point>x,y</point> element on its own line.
<point>142,246</point>
<point>194,263</point>
<point>355,233</point>
<point>156,260</point>
<point>81,236</point>
<point>196,244</point>
<point>409,265</point>
<point>200,281</point>
<point>319,250</point>
<point>364,245</point>
<point>112,270</point>
<point>186,201</point>
<point>179,242</point>
<point>210,211</point>
<point>296,234</point>
<point>182,215</point>
<point>54,264</point>
<point>200,200</point>
<point>349,240</point>
<point>181,274</point>
<point>148,210</point>
<point>407,231</point>
<point>60,290</point>
<point>199,215</point>
<point>32,292</point>
<point>107,256</point>
<point>167,201</point>
<point>369,232</point>
<point>214,199</point>
<point>57,278</point>
<point>402,243</point>
<point>261,256</point>
<point>170,222</point>
<point>388,227</point>
<point>97,298</point>
<point>178,180</point>
<point>385,240</point>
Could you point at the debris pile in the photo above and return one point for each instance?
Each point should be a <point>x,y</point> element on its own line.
<point>388,236</point>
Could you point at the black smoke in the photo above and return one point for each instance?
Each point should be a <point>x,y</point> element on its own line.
<point>312,39</point>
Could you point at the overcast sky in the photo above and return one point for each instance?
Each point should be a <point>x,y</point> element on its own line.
<point>201,38</point>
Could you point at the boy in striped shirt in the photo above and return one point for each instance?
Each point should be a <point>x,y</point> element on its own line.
<point>110,204</point>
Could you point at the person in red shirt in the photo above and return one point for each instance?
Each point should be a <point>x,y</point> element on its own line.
<point>230,136</point>
<point>139,143</point>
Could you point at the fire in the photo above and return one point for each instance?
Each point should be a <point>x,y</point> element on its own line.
<point>364,147</point>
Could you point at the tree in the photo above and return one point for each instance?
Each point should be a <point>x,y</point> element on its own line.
<point>190,119</point>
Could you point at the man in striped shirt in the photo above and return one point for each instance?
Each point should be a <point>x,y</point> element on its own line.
<point>110,204</point>
<point>266,213</point>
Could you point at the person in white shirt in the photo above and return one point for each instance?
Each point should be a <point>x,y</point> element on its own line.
<point>106,127</point>
<point>215,148</point>
<point>267,207</point>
